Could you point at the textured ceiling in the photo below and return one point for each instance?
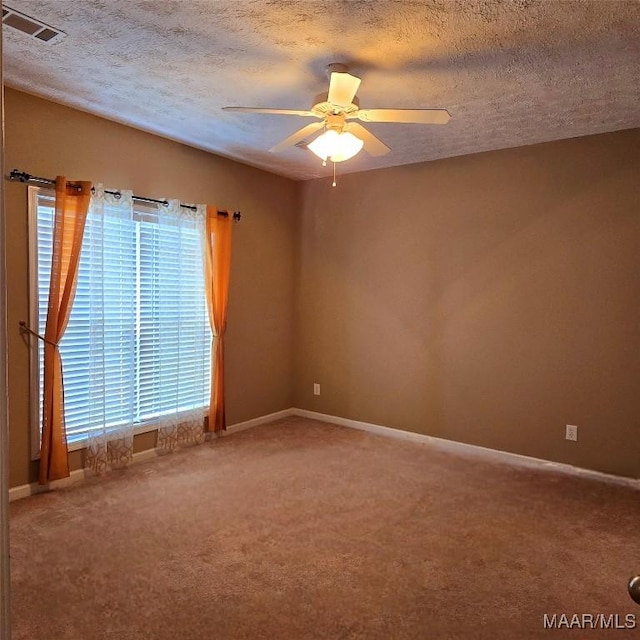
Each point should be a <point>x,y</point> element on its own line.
<point>511,72</point>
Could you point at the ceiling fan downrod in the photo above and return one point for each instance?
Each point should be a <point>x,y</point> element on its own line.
<point>336,67</point>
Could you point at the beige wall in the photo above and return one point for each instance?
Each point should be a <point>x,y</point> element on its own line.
<point>489,299</point>
<point>47,139</point>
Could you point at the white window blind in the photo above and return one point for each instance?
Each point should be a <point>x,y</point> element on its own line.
<point>137,345</point>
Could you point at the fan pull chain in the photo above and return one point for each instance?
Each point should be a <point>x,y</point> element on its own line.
<point>334,175</point>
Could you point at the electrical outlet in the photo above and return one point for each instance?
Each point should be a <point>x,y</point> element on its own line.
<point>572,432</point>
<point>316,388</point>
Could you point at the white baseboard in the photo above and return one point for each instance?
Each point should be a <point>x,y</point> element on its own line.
<point>248,424</point>
<point>470,450</point>
<point>78,475</point>
<point>451,446</point>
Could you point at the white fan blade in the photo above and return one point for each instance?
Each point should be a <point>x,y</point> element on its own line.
<point>342,88</point>
<point>418,116</point>
<point>373,146</point>
<point>280,112</point>
<point>300,134</point>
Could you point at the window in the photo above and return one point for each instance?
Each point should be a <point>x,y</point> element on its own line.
<point>138,337</point>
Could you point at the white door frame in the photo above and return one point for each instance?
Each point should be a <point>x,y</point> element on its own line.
<point>5,577</point>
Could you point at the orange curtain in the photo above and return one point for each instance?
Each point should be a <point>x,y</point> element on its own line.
<point>217,267</point>
<point>72,204</point>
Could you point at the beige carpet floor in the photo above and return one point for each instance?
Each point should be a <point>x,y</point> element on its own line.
<point>306,530</point>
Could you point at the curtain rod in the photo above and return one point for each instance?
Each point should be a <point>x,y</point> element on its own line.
<point>21,176</point>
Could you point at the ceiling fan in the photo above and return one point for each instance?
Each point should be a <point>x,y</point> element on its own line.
<point>336,110</point>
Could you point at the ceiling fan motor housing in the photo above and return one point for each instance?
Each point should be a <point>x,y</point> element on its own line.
<point>322,107</point>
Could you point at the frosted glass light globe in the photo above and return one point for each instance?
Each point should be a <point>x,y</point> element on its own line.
<point>335,146</point>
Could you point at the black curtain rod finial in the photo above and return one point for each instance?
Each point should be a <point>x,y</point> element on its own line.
<point>19,176</point>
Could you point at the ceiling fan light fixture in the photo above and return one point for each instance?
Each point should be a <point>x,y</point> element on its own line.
<point>335,146</point>
<point>335,110</point>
